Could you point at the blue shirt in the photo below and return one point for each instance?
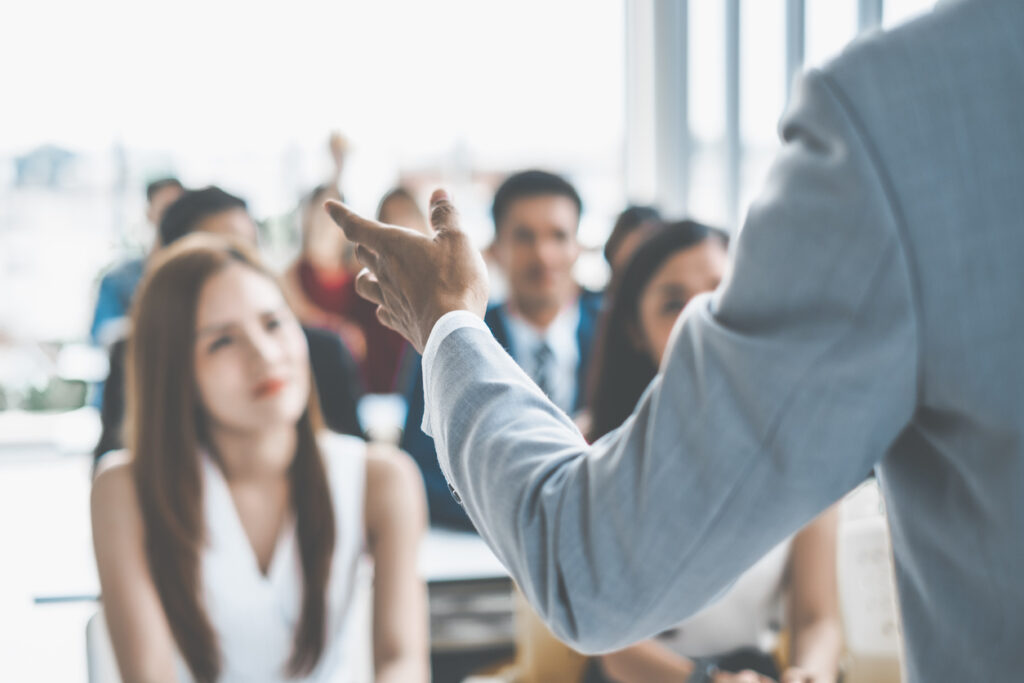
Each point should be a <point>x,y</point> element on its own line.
<point>113,304</point>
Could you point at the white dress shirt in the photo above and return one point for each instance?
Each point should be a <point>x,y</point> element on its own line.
<point>561,338</point>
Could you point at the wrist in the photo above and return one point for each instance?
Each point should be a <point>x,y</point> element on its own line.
<point>429,322</point>
<point>703,671</point>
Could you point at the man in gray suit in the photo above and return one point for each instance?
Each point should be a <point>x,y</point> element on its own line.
<point>874,318</point>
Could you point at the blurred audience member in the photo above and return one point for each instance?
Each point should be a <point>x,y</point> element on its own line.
<point>632,227</point>
<point>398,207</point>
<point>215,211</point>
<point>229,533</point>
<point>117,287</point>
<point>547,323</point>
<point>739,631</point>
<point>321,286</point>
<point>210,209</point>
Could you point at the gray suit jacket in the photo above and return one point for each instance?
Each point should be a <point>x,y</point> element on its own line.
<point>874,317</point>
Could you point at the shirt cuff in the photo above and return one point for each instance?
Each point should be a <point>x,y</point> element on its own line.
<point>446,324</point>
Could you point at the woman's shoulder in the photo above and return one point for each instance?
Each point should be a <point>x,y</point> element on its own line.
<point>113,471</point>
<point>113,487</point>
<point>335,446</point>
<point>394,484</point>
<point>391,464</point>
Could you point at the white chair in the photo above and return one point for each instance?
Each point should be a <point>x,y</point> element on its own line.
<point>99,652</point>
<point>867,591</point>
<point>360,637</point>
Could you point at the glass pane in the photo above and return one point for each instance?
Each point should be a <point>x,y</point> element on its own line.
<point>829,26</point>
<point>708,199</point>
<point>762,70</point>
<point>753,170</point>
<point>707,69</point>
<point>896,12</point>
<point>707,195</point>
<point>447,106</point>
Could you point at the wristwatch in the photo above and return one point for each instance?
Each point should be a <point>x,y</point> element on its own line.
<point>703,671</point>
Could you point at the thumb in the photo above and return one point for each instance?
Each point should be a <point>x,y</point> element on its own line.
<point>443,216</point>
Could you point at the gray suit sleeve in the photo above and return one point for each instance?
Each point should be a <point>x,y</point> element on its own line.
<point>776,396</point>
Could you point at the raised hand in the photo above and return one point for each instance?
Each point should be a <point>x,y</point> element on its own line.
<point>416,277</point>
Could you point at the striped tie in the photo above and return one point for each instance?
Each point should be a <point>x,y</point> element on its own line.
<point>542,358</point>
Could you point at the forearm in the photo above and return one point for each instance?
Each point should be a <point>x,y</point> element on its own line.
<point>571,521</point>
<point>817,647</point>
<point>647,662</point>
<point>401,669</point>
<point>167,676</point>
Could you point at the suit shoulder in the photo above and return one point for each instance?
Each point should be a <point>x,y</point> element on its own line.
<point>887,62</point>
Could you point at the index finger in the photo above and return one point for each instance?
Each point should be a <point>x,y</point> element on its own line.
<point>358,229</point>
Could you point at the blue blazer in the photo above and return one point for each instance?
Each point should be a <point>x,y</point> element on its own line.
<point>443,508</point>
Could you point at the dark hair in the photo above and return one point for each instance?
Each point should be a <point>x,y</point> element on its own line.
<point>166,428</point>
<point>191,208</point>
<point>620,371</point>
<point>632,218</point>
<point>531,184</point>
<point>159,184</point>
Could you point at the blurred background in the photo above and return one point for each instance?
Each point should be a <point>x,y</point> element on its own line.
<point>668,102</point>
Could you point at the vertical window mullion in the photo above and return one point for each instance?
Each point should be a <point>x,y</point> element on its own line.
<point>869,14</point>
<point>795,40</point>
<point>671,87</point>
<point>734,151</point>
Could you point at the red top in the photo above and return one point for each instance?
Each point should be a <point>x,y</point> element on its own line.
<point>337,295</point>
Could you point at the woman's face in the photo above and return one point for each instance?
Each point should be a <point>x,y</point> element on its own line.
<point>251,357</point>
<point>684,275</point>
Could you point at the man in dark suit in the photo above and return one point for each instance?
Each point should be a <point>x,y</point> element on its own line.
<point>546,323</point>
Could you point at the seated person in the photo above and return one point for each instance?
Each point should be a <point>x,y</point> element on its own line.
<point>229,533</point>
<point>740,630</point>
<point>546,324</point>
<point>633,226</point>
<point>321,287</point>
<point>117,287</point>
<point>213,210</point>
<point>320,284</point>
<point>398,207</point>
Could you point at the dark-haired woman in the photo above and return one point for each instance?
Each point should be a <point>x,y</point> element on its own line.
<point>794,585</point>
<point>320,285</point>
<point>229,534</point>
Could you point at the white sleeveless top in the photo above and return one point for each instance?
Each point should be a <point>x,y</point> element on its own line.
<point>748,615</point>
<point>255,616</point>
